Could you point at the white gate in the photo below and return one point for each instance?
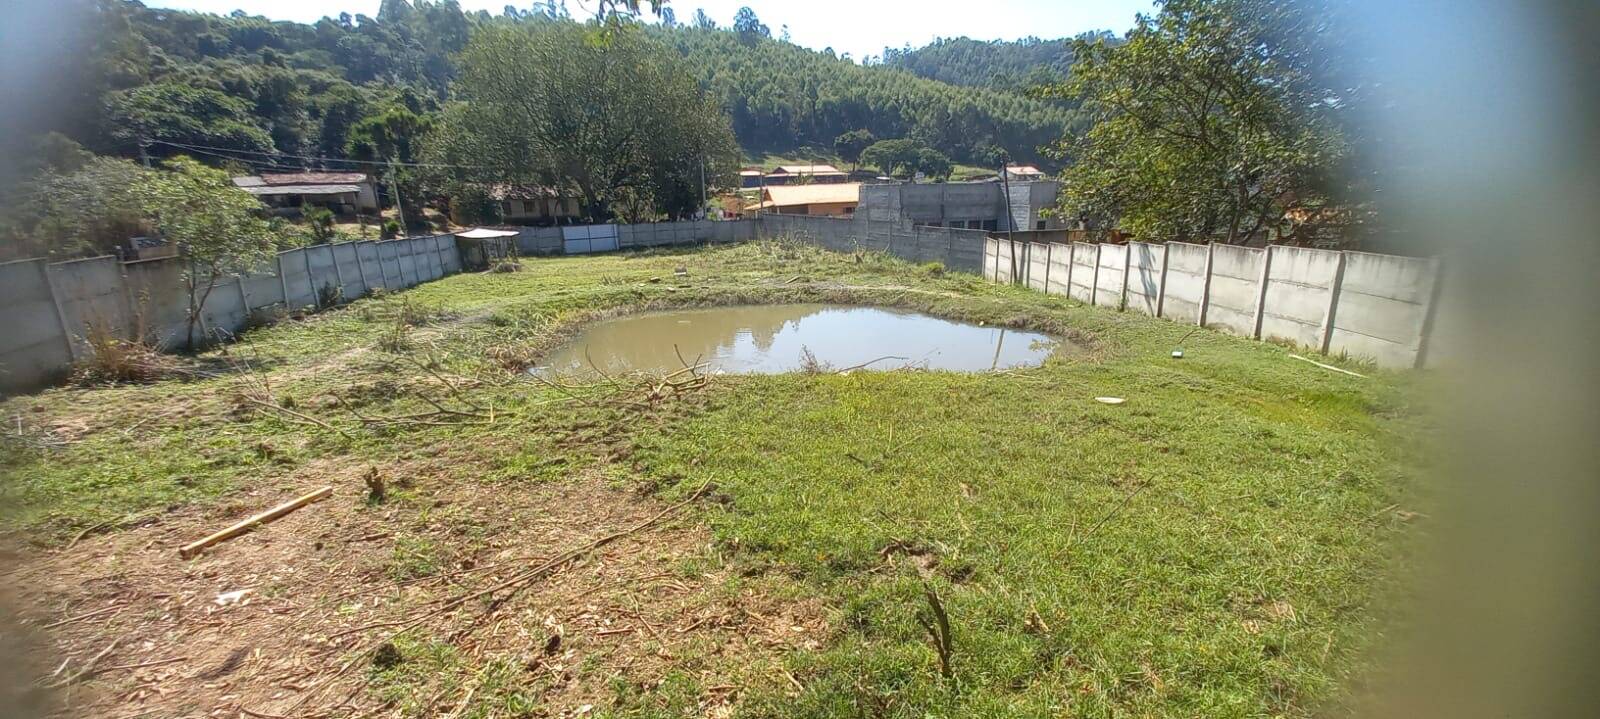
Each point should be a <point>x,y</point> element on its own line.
<point>580,239</point>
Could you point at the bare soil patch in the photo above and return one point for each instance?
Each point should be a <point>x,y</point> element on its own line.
<point>262,625</point>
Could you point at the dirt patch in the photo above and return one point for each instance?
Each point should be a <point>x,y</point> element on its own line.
<point>265,623</point>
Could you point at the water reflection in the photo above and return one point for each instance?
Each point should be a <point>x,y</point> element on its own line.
<point>768,339</point>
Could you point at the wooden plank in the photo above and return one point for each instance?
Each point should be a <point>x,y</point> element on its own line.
<point>189,550</point>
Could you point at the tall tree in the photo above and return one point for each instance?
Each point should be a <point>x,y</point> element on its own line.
<point>218,226</point>
<point>748,27</point>
<point>851,144</point>
<point>609,118</point>
<point>897,157</point>
<point>1210,122</point>
<point>933,164</point>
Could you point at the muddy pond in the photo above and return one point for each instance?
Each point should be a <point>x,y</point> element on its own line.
<point>771,339</point>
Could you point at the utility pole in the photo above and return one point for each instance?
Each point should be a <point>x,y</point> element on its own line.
<point>1011,220</point>
<point>702,183</point>
<point>399,202</point>
<point>144,152</point>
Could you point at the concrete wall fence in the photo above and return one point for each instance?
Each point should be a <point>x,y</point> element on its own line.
<point>959,250</point>
<point>52,306</point>
<point>1376,307</point>
<point>548,240</point>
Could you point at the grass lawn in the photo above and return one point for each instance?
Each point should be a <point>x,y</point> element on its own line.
<point>1216,546</point>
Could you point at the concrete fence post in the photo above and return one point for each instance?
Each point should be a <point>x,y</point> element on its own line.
<point>1425,331</point>
<point>338,274</point>
<point>311,279</point>
<point>1071,265</point>
<point>361,269</point>
<point>1205,287</point>
<point>1326,331</point>
<point>61,315</point>
<point>283,281</point>
<point>1049,252</point>
<point>244,296</point>
<point>1161,287</point>
<point>1261,293</point>
<point>1127,262</point>
<point>1094,277</point>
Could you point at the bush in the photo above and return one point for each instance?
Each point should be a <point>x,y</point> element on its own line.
<point>320,220</point>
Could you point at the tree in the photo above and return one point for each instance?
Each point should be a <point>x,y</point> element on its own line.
<point>933,163</point>
<point>748,27</point>
<point>85,207</point>
<point>610,120</point>
<point>394,136</point>
<point>898,157</point>
<point>1210,121</point>
<point>851,144</point>
<point>217,226</point>
<point>183,114</point>
<point>703,21</point>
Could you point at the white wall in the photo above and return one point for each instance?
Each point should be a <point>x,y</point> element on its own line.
<point>1377,307</point>
<point>1184,292</point>
<point>1110,279</point>
<point>1235,289</point>
<point>51,307</point>
<point>1146,261</point>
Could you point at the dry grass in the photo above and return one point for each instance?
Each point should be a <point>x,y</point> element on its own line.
<point>112,360</point>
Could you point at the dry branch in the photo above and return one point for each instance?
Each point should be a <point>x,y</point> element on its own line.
<point>297,415</point>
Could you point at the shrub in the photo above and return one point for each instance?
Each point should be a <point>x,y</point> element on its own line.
<point>320,220</point>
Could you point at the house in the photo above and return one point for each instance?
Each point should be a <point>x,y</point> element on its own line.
<point>1023,173</point>
<point>799,174</point>
<point>750,179</point>
<point>824,200</point>
<point>535,205</point>
<point>288,193</point>
<point>964,205</point>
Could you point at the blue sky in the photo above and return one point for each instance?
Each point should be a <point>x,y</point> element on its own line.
<point>859,27</point>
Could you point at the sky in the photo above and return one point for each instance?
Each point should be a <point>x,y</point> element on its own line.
<point>858,27</point>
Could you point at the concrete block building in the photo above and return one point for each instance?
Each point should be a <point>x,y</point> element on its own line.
<point>963,205</point>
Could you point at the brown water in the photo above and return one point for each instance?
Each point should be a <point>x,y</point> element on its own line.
<point>769,339</point>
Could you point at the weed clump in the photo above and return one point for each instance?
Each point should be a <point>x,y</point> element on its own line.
<point>396,337</point>
<point>113,360</point>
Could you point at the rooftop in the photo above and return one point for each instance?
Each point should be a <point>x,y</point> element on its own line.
<point>807,170</point>
<point>268,190</point>
<point>794,195</point>
<point>300,179</point>
<point>313,178</point>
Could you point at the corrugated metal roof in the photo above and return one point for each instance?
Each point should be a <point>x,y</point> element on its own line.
<point>808,170</point>
<point>313,178</point>
<point>483,233</point>
<point>521,192</point>
<point>268,190</point>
